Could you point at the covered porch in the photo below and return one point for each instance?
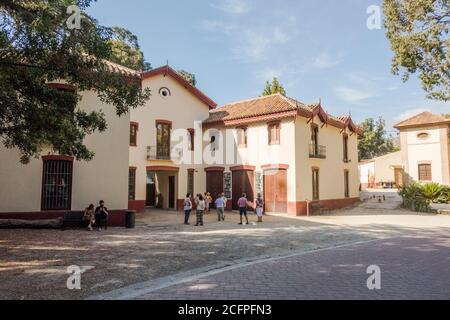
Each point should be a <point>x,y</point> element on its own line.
<point>162,187</point>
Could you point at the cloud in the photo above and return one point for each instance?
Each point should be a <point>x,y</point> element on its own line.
<point>410,113</point>
<point>215,25</point>
<point>353,95</point>
<point>235,7</point>
<point>325,61</point>
<point>254,45</point>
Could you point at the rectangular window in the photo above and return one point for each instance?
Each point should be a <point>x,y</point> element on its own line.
<point>315,184</point>
<point>190,181</point>
<point>242,137</point>
<point>132,184</point>
<point>425,172</point>
<point>315,139</point>
<point>57,185</point>
<point>274,133</point>
<point>133,134</point>
<point>191,137</point>
<point>345,142</point>
<point>347,183</point>
<point>163,141</point>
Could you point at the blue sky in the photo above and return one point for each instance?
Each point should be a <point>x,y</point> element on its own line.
<point>318,49</point>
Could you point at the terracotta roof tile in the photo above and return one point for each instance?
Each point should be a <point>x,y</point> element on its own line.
<point>423,119</point>
<point>268,107</point>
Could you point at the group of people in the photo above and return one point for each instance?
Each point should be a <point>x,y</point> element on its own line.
<point>203,202</point>
<point>96,217</point>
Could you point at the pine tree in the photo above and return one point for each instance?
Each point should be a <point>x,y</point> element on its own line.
<point>274,87</point>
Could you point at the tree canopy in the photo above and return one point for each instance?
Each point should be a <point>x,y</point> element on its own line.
<point>126,50</point>
<point>418,31</point>
<point>374,141</point>
<point>190,77</point>
<point>37,47</point>
<point>274,87</point>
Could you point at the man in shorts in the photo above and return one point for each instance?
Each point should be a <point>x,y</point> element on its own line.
<point>242,204</point>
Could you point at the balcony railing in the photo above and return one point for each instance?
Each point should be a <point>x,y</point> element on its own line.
<point>317,151</point>
<point>154,154</point>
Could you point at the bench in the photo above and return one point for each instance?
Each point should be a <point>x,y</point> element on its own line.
<point>318,207</point>
<point>74,219</point>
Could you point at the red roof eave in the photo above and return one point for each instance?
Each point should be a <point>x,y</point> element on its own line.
<point>166,70</point>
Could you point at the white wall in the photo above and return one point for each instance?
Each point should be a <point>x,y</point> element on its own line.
<point>105,177</point>
<point>183,109</point>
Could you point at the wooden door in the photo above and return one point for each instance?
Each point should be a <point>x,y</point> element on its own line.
<point>275,191</point>
<point>214,184</point>
<point>399,174</point>
<point>171,192</point>
<point>243,182</point>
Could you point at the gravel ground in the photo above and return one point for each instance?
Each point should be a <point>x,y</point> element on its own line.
<point>33,263</point>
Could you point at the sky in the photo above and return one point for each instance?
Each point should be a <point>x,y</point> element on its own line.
<point>319,50</point>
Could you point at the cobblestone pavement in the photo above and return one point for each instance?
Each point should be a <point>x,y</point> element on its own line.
<point>33,263</point>
<point>411,268</point>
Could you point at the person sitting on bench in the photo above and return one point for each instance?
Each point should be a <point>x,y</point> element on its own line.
<point>89,217</point>
<point>101,216</point>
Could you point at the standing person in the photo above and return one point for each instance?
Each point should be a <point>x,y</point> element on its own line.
<point>187,208</point>
<point>259,207</point>
<point>101,216</point>
<point>201,205</point>
<point>208,201</point>
<point>89,217</point>
<point>242,203</point>
<point>220,207</point>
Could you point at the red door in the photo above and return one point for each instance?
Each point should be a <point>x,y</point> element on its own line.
<point>243,182</point>
<point>214,184</point>
<point>275,191</point>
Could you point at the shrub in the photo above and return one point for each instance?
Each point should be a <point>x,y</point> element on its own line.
<point>419,197</point>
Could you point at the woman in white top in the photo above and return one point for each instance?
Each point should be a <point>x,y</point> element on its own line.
<point>187,208</point>
<point>201,205</point>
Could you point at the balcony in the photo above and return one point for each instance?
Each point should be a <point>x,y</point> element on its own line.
<point>155,153</point>
<point>317,151</point>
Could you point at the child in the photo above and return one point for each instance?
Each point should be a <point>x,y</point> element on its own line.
<point>259,207</point>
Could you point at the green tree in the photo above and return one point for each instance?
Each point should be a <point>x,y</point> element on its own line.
<point>374,141</point>
<point>37,47</point>
<point>418,31</point>
<point>190,77</point>
<point>273,87</point>
<point>126,50</point>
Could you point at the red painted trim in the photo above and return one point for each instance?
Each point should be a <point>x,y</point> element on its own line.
<point>299,208</point>
<point>137,205</point>
<point>161,121</point>
<point>215,169</point>
<point>64,86</point>
<point>275,167</point>
<point>57,158</point>
<point>163,168</point>
<point>166,70</point>
<point>136,124</point>
<point>243,168</point>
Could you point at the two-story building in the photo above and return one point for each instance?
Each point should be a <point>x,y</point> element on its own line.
<point>293,154</point>
<point>424,155</point>
<point>157,176</point>
<point>425,148</point>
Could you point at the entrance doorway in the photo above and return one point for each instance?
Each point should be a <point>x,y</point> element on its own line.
<point>275,191</point>
<point>243,182</point>
<point>171,192</point>
<point>399,175</point>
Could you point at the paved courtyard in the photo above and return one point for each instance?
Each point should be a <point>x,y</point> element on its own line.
<point>161,251</point>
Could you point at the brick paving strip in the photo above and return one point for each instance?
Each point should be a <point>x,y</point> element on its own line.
<point>411,268</point>
<point>139,290</point>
